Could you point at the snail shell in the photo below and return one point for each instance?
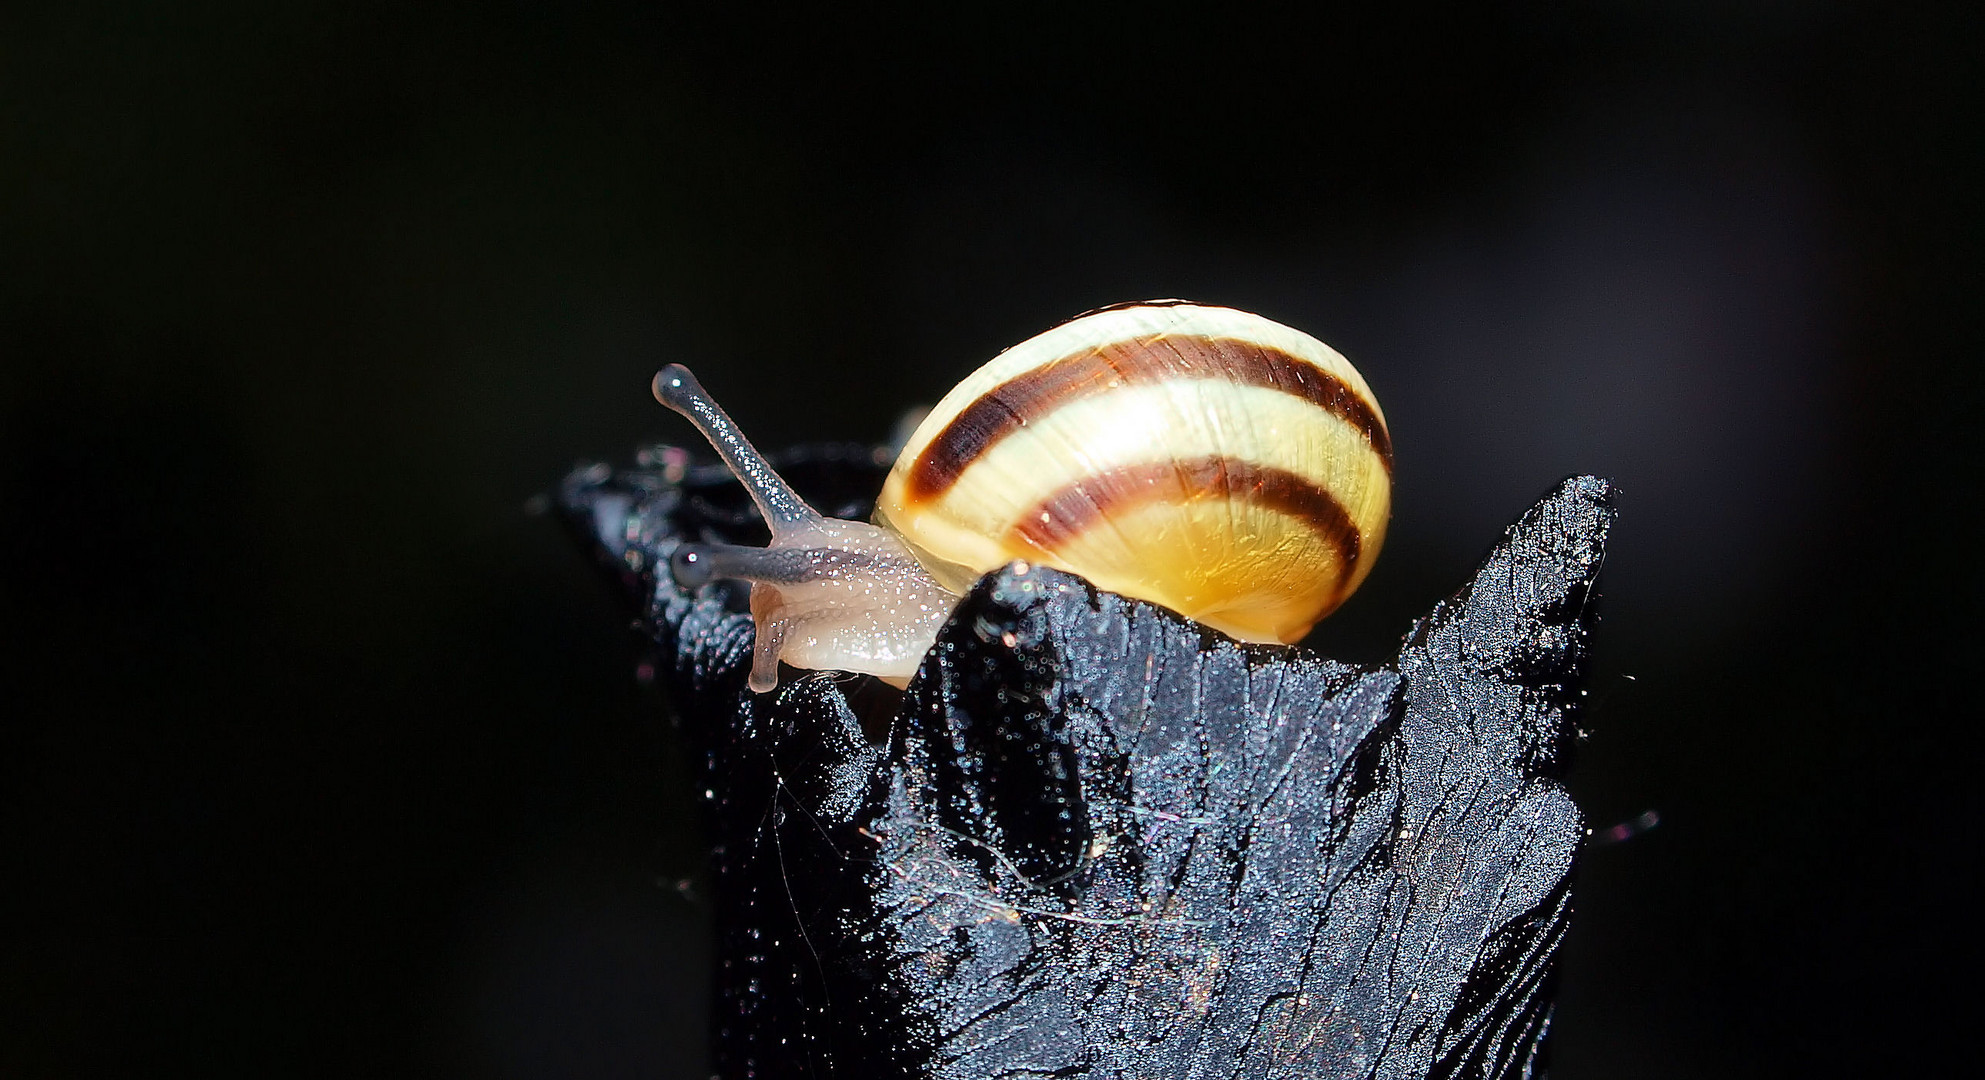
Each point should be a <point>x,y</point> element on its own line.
<point>1213,461</point>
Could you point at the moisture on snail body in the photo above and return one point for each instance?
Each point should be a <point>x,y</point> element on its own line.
<point>1218,463</point>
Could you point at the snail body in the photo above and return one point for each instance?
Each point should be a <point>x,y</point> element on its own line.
<point>1209,460</point>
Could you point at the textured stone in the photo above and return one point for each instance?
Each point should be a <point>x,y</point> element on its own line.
<point>1095,839</point>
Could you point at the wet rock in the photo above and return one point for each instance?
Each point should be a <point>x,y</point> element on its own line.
<point>1094,839</point>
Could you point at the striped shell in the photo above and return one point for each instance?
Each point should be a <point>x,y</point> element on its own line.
<point>1216,462</point>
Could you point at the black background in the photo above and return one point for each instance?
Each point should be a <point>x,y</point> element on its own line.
<point>322,756</point>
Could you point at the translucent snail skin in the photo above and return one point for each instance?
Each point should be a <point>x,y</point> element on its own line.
<point>1221,464</point>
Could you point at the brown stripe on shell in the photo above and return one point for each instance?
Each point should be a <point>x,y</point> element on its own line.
<point>1142,361</point>
<point>1080,506</point>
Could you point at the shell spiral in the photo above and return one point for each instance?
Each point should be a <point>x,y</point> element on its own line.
<point>1226,466</point>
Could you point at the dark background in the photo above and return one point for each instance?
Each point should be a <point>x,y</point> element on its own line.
<point>322,757</point>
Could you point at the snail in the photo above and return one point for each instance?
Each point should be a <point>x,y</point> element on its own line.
<point>1215,462</point>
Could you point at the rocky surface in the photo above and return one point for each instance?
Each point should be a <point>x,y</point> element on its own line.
<point>1094,839</point>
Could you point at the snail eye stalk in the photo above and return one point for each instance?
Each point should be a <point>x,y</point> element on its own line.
<point>784,510</point>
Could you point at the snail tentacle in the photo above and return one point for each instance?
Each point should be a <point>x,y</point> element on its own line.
<point>784,510</point>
